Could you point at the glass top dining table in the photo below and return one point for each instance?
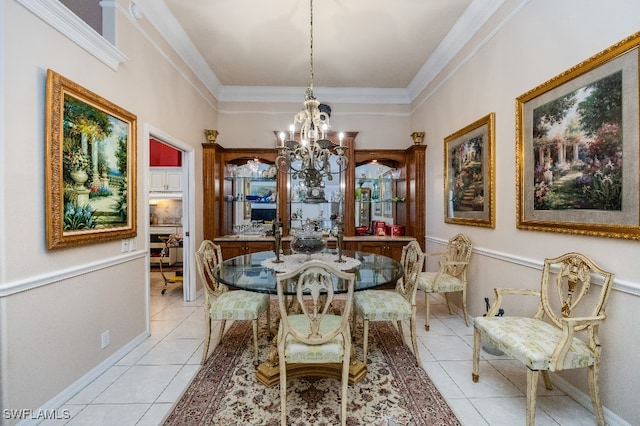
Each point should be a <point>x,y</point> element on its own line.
<point>257,272</point>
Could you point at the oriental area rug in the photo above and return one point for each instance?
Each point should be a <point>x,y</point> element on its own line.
<point>395,390</point>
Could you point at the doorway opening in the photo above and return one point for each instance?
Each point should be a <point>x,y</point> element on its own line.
<point>171,212</point>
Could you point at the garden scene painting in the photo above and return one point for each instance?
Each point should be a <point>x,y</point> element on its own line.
<point>577,149</point>
<point>94,152</point>
<point>467,174</point>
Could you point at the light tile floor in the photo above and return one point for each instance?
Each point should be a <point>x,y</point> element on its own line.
<point>142,387</point>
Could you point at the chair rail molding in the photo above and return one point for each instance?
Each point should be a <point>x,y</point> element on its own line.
<point>18,286</point>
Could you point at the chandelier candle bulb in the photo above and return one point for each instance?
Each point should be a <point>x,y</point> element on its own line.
<point>341,136</point>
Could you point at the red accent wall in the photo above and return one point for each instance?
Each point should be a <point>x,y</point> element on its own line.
<point>162,155</point>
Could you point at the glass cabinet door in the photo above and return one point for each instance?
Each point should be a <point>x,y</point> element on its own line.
<point>378,193</point>
<point>250,198</point>
<point>321,206</point>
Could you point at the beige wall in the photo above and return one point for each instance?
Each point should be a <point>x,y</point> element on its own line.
<point>543,39</point>
<point>50,333</point>
<point>252,124</point>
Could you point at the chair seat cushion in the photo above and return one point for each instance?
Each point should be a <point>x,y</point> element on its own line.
<point>446,283</point>
<point>381,305</point>
<point>238,305</point>
<point>532,341</point>
<point>298,352</point>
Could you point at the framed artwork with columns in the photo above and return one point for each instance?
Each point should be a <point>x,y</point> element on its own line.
<point>90,167</point>
<point>577,151</point>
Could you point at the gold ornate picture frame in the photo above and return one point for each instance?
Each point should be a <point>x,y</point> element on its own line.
<point>469,174</point>
<point>90,167</point>
<point>577,149</point>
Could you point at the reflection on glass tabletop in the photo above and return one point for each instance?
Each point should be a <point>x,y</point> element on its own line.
<point>247,272</point>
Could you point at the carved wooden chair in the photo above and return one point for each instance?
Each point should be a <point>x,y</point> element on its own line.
<point>571,305</point>
<point>220,304</point>
<point>315,335</point>
<point>393,305</point>
<point>451,275</point>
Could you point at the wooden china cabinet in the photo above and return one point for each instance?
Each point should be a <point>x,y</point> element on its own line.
<point>401,198</point>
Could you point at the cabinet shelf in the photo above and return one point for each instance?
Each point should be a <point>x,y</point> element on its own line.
<point>250,178</point>
<point>378,179</point>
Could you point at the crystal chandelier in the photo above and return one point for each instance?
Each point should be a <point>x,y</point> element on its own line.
<point>309,157</point>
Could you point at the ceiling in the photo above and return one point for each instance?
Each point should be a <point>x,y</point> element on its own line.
<point>244,49</point>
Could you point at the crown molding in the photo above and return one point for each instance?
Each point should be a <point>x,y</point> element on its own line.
<point>69,24</point>
<point>472,19</point>
<point>476,14</point>
<point>355,95</point>
<point>159,15</point>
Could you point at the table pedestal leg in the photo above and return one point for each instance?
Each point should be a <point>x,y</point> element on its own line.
<point>268,372</point>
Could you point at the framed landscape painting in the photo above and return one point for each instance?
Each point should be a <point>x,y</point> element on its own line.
<point>578,151</point>
<point>90,167</point>
<point>469,174</point>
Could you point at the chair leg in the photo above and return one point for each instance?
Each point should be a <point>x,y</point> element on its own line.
<point>532,388</point>
<point>207,339</point>
<point>426,311</point>
<point>464,306</point>
<point>223,323</point>
<point>346,361</point>
<point>446,297</point>
<point>594,390</point>
<point>365,337</point>
<point>268,319</point>
<point>414,340</point>
<point>354,320</point>
<point>255,341</point>
<point>547,380</point>
<point>283,391</point>
<point>399,324</point>
<point>475,375</point>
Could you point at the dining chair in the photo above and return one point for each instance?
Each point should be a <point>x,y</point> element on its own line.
<point>220,304</point>
<point>315,335</point>
<point>174,240</point>
<point>572,307</point>
<point>450,276</point>
<point>393,305</point>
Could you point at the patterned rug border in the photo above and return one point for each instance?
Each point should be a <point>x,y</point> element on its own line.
<point>423,400</point>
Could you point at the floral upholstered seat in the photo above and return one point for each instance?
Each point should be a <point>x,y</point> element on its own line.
<point>221,304</point>
<point>316,335</point>
<point>572,308</point>
<point>450,276</point>
<point>393,305</point>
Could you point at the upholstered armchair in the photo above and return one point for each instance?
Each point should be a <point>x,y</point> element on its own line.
<point>393,305</point>
<point>220,304</point>
<point>450,276</point>
<point>315,335</point>
<point>562,335</point>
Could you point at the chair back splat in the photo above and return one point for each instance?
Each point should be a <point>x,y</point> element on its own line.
<point>451,275</point>
<point>562,335</point>
<point>310,332</point>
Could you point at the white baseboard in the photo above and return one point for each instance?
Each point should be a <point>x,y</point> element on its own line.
<point>61,399</point>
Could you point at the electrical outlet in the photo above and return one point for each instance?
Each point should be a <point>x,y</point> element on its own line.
<point>125,246</point>
<point>133,245</point>
<point>105,339</point>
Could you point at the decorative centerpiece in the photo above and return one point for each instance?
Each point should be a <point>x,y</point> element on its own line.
<point>308,240</point>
